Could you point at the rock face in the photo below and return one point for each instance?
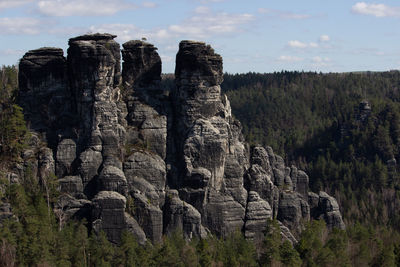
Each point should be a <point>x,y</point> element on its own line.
<point>130,155</point>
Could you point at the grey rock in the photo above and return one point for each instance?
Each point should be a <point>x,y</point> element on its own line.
<point>108,214</point>
<point>222,214</point>
<point>150,125</point>
<point>259,156</point>
<point>46,164</point>
<point>66,154</point>
<point>286,234</point>
<point>68,207</point>
<point>142,64</point>
<point>145,100</point>
<point>134,228</point>
<point>258,180</point>
<point>329,211</point>
<point>258,212</point>
<point>149,217</point>
<point>300,181</point>
<point>293,209</point>
<point>146,172</point>
<point>71,185</point>
<point>112,140</point>
<point>89,164</point>
<point>113,179</point>
<point>180,215</point>
<point>44,93</point>
<point>313,201</point>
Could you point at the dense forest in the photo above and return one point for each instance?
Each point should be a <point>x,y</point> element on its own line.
<point>343,129</point>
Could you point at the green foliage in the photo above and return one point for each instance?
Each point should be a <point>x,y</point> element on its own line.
<point>320,123</point>
<point>272,241</point>
<point>35,239</point>
<point>13,131</point>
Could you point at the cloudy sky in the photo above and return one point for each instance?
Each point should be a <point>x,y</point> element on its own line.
<point>251,35</point>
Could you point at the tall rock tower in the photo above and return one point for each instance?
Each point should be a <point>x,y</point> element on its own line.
<point>131,155</point>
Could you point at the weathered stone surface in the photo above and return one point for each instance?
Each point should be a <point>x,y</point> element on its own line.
<point>137,141</point>
<point>108,214</point>
<point>286,234</point>
<point>258,180</point>
<point>222,214</point>
<point>198,75</point>
<point>300,181</point>
<point>71,185</point>
<point>150,127</point>
<point>146,102</point>
<point>329,210</point>
<point>258,212</point>
<point>210,156</point>
<point>142,64</point>
<point>146,173</point>
<point>43,91</point>
<point>313,201</point>
<point>46,164</point>
<point>66,154</point>
<point>149,217</point>
<point>113,179</point>
<point>292,211</point>
<point>180,215</point>
<point>68,207</point>
<point>133,227</point>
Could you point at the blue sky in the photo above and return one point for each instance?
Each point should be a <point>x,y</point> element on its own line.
<point>251,35</point>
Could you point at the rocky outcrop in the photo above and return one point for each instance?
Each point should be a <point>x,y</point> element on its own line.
<point>180,215</point>
<point>258,212</point>
<point>130,155</point>
<point>324,206</point>
<point>44,93</point>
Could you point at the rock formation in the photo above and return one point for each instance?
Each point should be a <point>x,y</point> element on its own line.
<point>130,155</point>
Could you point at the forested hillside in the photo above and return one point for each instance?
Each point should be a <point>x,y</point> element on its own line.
<point>342,128</point>
<point>32,232</point>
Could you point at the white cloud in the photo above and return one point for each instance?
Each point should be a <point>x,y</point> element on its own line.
<point>324,38</point>
<point>124,32</point>
<point>211,1</point>
<point>149,4</point>
<point>62,8</point>
<point>301,45</point>
<point>297,44</point>
<point>19,25</point>
<point>283,14</point>
<point>320,61</point>
<point>377,10</point>
<point>290,59</point>
<point>13,3</point>
<point>12,52</point>
<point>202,10</point>
<point>204,25</point>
